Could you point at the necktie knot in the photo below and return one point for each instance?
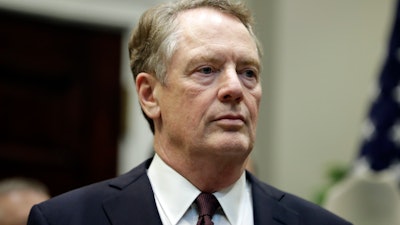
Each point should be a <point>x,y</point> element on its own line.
<point>207,205</point>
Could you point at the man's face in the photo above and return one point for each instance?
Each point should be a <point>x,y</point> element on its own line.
<point>209,104</point>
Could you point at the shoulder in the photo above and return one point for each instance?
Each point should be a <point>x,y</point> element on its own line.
<point>284,203</point>
<point>100,190</point>
<point>87,202</point>
<point>311,212</point>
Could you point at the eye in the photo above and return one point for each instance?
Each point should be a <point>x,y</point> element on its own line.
<point>206,70</point>
<point>250,77</point>
<point>204,74</point>
<point>250,74</point>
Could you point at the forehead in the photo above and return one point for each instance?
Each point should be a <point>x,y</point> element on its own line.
<point>211,26</point>
<point>207,18</point>
<point>205,14</point>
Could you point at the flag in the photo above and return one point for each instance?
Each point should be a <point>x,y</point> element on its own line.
<point>380,146</point>
<point>370,194</point>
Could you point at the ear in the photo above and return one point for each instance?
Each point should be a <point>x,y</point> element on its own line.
<point>146,86</point>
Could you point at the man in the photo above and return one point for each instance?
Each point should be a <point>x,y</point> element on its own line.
<point>17,196</point>
<point>196,64</point>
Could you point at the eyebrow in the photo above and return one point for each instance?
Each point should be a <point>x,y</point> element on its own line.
<point>209,58</point>
<point>214,59</point>
<point>251,61</point>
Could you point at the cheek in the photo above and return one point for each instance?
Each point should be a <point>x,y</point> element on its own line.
<point>254,102</point>
<point>189,104</point>
<point>192,90</point>
<point>197,105</point>
<point>253,105</point>
<point>197,96</point>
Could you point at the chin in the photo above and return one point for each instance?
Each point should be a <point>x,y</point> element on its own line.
<point>235,147</point>
<point>230,143</point>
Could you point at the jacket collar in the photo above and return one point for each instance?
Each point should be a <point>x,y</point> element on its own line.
<point>267,205</point>
<point>134,201</point>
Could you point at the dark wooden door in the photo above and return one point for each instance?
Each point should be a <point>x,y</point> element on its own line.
<point>59,100</point>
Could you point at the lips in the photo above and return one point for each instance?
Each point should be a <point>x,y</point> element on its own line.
<point>231,117</point>
<point>230,121</point>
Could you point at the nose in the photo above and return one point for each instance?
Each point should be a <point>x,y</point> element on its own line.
<point>231,89</point>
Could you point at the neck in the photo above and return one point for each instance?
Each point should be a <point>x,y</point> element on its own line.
<point>208,173</point>
<point>212,177</point>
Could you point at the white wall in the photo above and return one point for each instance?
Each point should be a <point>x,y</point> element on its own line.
<point>325,58</point>
<point>321,61</point>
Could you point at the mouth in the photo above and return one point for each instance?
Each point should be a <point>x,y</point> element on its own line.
<point>231,117</point>
<point>230,121</point>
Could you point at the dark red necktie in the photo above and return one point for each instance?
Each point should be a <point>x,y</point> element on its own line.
<point>207,205</point>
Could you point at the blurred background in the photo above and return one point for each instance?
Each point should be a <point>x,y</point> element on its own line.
<point>69,114</point>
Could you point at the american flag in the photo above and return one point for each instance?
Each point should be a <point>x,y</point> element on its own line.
<point>381,142</point>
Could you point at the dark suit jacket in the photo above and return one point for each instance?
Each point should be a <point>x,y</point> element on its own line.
<point>129,200</point>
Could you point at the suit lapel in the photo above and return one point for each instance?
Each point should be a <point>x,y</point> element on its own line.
<point>267,208</point>
<point>134,201</point>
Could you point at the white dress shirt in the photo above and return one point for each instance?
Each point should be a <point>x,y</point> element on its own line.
<point>175,197</point>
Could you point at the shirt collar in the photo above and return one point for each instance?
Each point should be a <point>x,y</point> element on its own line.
<point>232,198</point>
<point>174,193</point>
<point>166,181</point>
